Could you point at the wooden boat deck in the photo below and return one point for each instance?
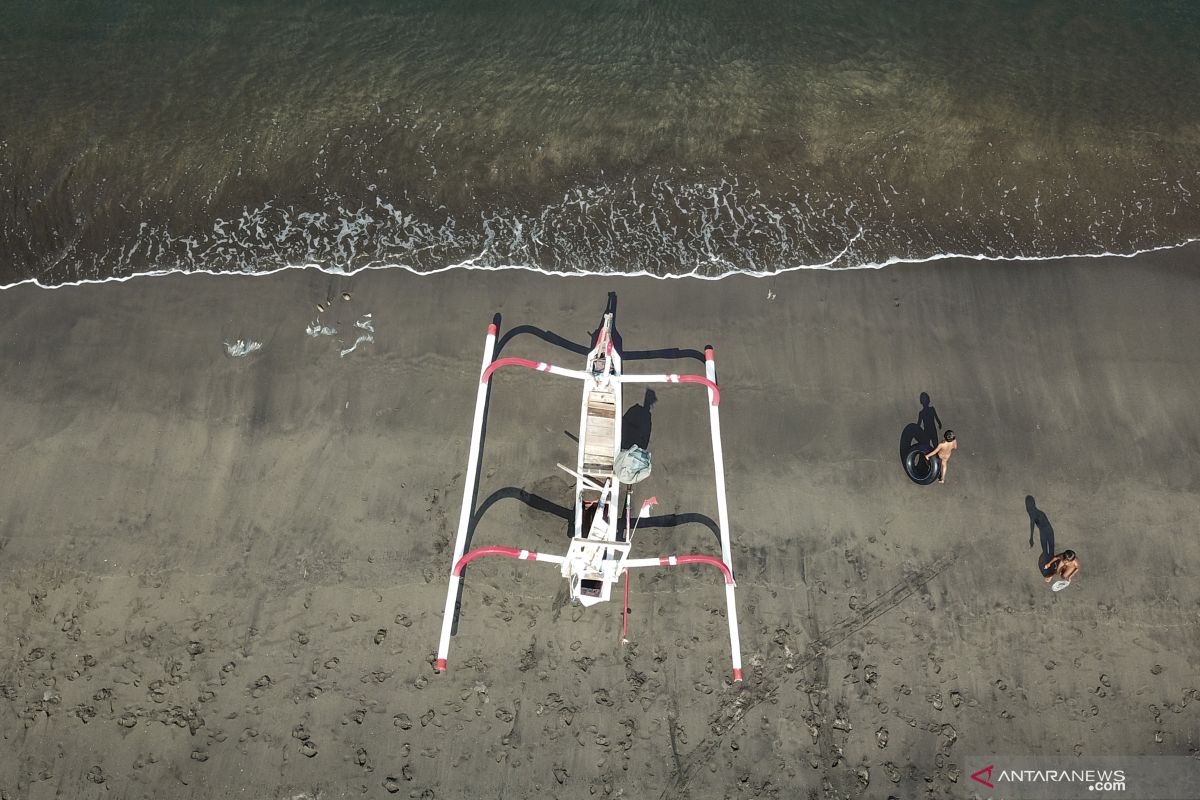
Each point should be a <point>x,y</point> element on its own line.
<point>599,434</point>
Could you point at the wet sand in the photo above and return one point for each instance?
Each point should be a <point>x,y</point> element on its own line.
<point>224,576</point>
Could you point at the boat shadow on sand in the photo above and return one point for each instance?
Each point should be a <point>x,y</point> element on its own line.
<point>583,349</point>
<point>567,515</point>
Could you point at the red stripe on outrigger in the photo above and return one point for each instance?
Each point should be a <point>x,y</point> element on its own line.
<point>541,366</point>
<point>716,398</point>
<point>510,552</point>
<point>670,561</point>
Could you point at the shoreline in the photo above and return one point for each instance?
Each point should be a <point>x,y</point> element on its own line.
<point>468,266</point>
<point>210,561</point>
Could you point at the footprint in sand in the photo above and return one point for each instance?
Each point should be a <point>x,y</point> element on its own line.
<point>260,686</point>
<point>380,635</point>
<point>402,721</point>
<point>391,785</point>
<point>307,748</point>
<point>427,717</point>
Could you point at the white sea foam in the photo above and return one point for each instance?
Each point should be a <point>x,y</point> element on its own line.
<point>315,329</point>
<point>363,339</point>
<point>834,264</point>
<point>242,348</point>
<point>666,226</point>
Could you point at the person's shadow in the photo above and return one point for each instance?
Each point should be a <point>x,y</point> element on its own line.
<point>922,434</point>
<point>1039,520</point>
<point>635,423</point>
<point>928,421</point>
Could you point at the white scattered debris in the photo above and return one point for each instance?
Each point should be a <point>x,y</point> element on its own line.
<point>366,323</point>
<point>366,337</point>
<point>242,348</point>
<point>317,329</point>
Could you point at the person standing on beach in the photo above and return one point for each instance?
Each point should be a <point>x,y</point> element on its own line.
<point>943,451</point>
<point>1063,566</point>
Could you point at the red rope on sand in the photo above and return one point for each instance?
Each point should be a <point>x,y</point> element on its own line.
<point>625,611</point>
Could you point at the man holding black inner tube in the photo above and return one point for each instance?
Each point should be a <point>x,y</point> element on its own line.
<point>943,451</point>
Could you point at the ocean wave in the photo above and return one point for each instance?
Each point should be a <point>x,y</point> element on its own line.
<point>471,264</point>
<point>667,226</point>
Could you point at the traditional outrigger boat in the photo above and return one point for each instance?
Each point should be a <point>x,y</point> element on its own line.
<point>598,555</point>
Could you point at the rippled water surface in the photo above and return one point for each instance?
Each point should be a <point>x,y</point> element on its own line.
<point>669,137</point>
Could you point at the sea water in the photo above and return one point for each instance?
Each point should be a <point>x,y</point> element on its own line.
<point>687,137</point>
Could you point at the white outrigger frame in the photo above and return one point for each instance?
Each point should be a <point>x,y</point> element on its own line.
<point>599,552</point>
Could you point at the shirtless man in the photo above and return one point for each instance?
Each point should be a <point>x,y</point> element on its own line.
<point>1064,566</point>
<point>943,452</point>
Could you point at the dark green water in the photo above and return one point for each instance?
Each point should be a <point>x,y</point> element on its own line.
<point>670,137</point>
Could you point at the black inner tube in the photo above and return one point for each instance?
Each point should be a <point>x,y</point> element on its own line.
<point>920,469</point>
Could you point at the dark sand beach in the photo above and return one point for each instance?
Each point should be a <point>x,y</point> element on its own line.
<point>223,577</point>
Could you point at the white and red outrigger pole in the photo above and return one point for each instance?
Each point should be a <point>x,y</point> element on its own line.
<point>599,553</point>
